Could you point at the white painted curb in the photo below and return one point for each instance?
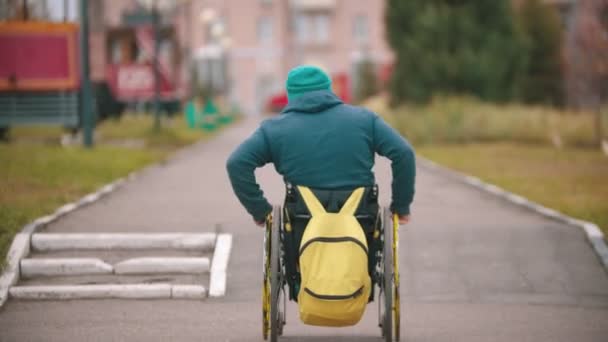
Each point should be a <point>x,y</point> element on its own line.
<point>63,267</point>
<point>219,265</point>
<point>59,242</point>
<point>19,249</point>
<point>593,233</point>
<point>109,291</point>
<point>153,265</point>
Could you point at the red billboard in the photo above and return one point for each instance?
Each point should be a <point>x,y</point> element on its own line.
<point>38,56</point>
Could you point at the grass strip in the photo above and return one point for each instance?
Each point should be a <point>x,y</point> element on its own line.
<point>572,181</point>
<point>38,175</point>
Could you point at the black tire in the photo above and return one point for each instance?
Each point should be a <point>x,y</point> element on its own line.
<point>276,320</point>
<point>387,324</point>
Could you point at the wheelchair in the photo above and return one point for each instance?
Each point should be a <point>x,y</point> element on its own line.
<point>284,229</point>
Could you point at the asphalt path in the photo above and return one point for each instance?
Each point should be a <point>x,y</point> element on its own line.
<point>474,267</point>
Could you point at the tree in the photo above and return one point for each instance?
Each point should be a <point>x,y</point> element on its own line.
<point>587,58</point>
<point>542,81</point>
<point>367,80</point>
<point>454,46</point>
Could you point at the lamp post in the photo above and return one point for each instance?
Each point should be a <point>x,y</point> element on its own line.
<point>217,43</point>
<point>85,86</point>
<point>156,7</point>
<point>155,64</point>
<point>153,7</point>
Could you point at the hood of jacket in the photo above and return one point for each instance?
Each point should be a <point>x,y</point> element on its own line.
<point>313,102</point>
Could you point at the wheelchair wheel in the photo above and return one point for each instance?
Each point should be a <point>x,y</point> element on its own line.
<point>273,319</point>
<point>276,317</point>
<point>391,324</point>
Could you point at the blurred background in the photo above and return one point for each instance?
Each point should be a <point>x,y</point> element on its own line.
<point>514,92</point>
<point>241,50</point>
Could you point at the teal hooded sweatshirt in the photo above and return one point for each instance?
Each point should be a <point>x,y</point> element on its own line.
<point>320,142</point>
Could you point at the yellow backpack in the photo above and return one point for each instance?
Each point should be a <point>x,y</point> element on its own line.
<point>335,284</point>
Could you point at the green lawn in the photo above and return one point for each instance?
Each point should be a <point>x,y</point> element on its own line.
<point>37,174</point>
<point>572,181</point>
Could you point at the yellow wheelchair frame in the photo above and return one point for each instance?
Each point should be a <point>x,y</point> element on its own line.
<point>273,318</point>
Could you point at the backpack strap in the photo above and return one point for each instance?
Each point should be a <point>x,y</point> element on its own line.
<point>312,203</point>
<point>352,203</point>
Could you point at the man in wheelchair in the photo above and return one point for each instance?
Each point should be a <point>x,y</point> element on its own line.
<point>320,143</point>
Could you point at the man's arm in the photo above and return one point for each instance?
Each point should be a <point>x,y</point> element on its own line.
<point>251,154</point>
<point>389,143</point>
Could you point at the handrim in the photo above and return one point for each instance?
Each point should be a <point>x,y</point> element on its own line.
<point>387,325</point>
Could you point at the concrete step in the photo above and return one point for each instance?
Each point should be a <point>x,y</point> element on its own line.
<point>105,279</point>
<point>65,266</point>
<point>113,257</point>
<point>106,291</point>
<point>156,265</point>
<point>123,265</point>
<point>89,266</point>
<point>112,241</point>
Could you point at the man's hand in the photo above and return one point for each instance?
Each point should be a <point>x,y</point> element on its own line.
<point>404,219</point>
<point>260,224</point>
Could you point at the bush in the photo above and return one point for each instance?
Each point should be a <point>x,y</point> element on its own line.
<point>454,47</point>
<point>466,119</point>
<point>367,80</point>
<point>542,82</point>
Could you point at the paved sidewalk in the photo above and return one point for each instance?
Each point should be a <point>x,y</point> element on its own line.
<point>474,268</point>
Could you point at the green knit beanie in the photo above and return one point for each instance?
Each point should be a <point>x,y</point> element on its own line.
<point>305,78</point>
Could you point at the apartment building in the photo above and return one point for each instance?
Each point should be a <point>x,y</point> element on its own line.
<point>244,48</point>
<point>263,39</point>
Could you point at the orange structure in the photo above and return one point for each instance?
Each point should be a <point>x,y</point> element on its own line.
<point>38,56</point>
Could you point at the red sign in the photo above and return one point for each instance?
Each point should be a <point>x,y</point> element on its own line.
<point>136,82</point>
<point>38,56</point>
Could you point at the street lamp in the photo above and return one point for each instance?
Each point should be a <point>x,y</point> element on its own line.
<point>85,85</point>
<point>213,53</point>
<point>156,7</point>
<point>153,7</point>
<point>208,15</point>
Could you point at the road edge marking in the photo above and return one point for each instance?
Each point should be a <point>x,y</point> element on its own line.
<point>594,235</point>
<point>219,265</point>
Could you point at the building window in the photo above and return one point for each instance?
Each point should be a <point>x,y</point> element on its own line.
<point>302,28</point>
<point>116,51</point>
<point>312,28</point>
<point>265,29</point>
<point>321,25</point>
<point>266,2</point>
<point>360,29</point>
